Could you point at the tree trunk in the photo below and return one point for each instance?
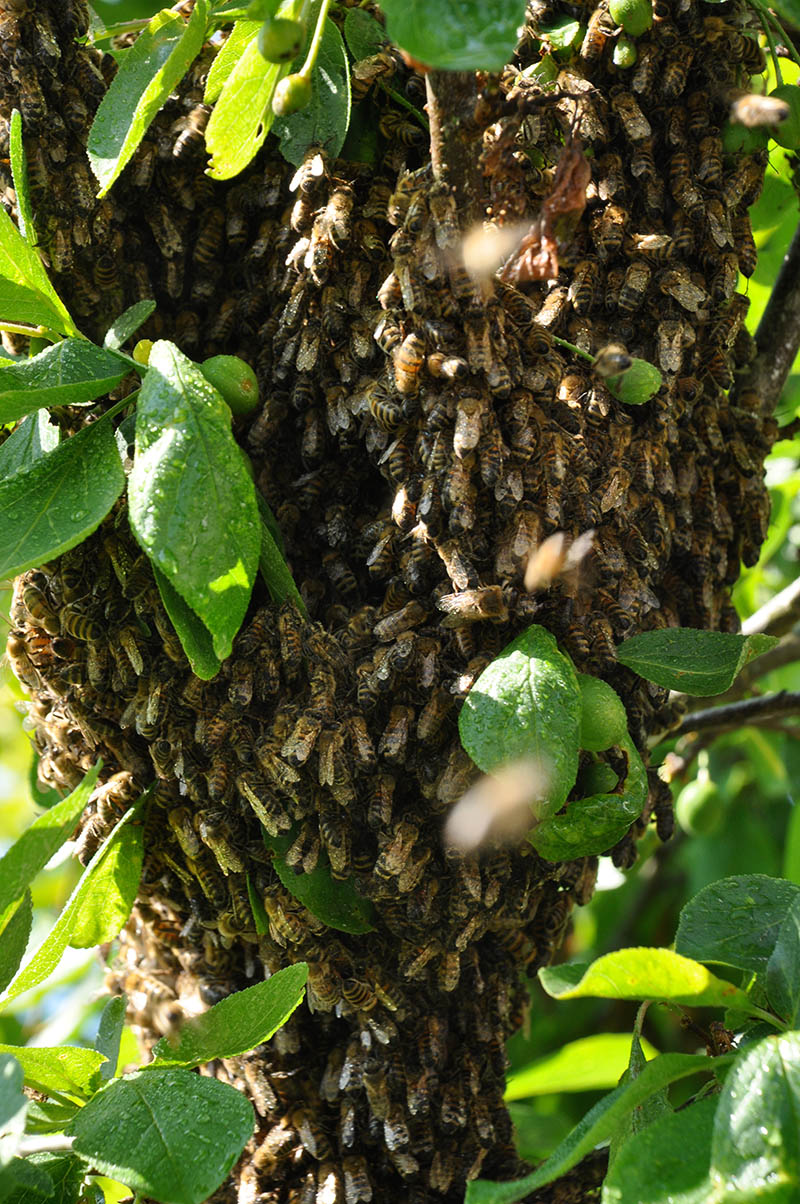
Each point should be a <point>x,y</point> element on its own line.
<point>394,486</point>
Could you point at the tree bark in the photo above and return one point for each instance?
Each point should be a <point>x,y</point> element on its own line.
<point>393,486</point>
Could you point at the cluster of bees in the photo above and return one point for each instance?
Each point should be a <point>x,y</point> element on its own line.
<point>421,435</point>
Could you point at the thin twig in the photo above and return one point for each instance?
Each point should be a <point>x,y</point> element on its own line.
<point>777,616</point>
<point>778,334</point>
<point>741,714</point>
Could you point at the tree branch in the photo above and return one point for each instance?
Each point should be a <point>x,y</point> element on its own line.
<point>777,616</point>
<point>740,714</point>
<point>451,106</point>
<point>778,334</point>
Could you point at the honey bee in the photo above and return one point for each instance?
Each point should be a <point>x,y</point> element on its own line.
<point>449,367</point>
<point>394,125</point>
<point>408,361</point>
<point>555,307</point>
<point>709,166</point>
<point>388,414</point>
<point>744,243</point>
<point>81,626</point>
<point>583,286</point>
<point>40,609</point>
<point>753,110</point>
<point>394,741</point>
<point>607,228</point>
<point>611,360</point>
<point>208,244</point>
<point>743,187</point>
<point>681,186</point>
<point>556,557</point>
<point>634,287</point>
<point>472,606</point>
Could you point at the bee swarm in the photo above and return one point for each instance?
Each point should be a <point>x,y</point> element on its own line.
<point>420,434</point>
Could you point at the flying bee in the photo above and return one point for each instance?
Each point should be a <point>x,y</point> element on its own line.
<point>754,110</point>
<point>554,558</point>
<point>611,360</point>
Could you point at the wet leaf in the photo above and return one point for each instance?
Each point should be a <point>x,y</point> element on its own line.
<point>237,1023</point>
<point>736,921</point>
<point>194,636</point>
<point>166,1133</point>
<point>643,974</point>
<point>228,56</point>
<point>755,1148</point>
<point>35,436</point>
<point>526,704</point>
<point>456,35</point>
<point>59,1069</point>
<point>590,825</point>
<point>109,1034</point>
<point>192,503</point>
<point>127,324</point>
<point>64,1173</point>
<point>149,72</point>
<point>60,500</point>
<point>364,35</point>
<point>322,123</point>
<point>68,373</point>
<point>783,969</point>
<point>696,662</point>
<point>23,1182</point>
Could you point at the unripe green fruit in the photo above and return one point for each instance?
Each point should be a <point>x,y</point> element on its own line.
<point>624,54</point>
<point>141,352</point>
<point>597,778</point>
<point>291,94</point>
<point>700,808</point>
<point>234,379</point>
<point>740,139</point>
<point>787,133</point>
<point>637,385</point>
<point>603,718</point>
<point>280,40</point>
<point>635,16</point>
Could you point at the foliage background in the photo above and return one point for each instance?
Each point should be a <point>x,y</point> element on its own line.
<point>757,771</point>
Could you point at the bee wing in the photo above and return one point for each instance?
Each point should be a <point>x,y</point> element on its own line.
<point>502,806</point>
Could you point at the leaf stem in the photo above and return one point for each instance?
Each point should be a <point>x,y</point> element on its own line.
<point>571,347</point>
<point>54,1143</point>
<point>316,41</point>
<point>120,405</point>
<point>401,100</point>
<point>32,332</point>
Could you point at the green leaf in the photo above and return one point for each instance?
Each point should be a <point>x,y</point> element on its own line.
<point>643,974</point>
<point>68,373</point>
<point>35,436</point>
<point>19,174</point>
<point>60,500</point>
<point>322,123</point>
<point>109,1034</point>
<point>166,1133</point>
<point>59,1069</point>
<point>195,638</point>
<point>22,1181</point>
<point>598,1125</point>
<point>591,825</point>
<point>331,900</point>
<point>561,34</point>
<point>50,1116</point>
<point>228,56</point>
<point>21,304</point>
<point>237,1023</point>
<point>364,35</point>
<point>192,503</point>
<point>692,661</point>
<point>127,324</point>
<point>48,955</point>
<point>456,35</point>
<point>14,939</point>
<point>37,844</point>
<point>151,69</point>
<point>21,267</point>
<point>651,1110</point>
<point>276,572</point>
<point>736,921</point>
<point>783,969</point>
<point>260,917</point>
<point>588,1064</point>
<point>526,704</point>
<point>13,1107</point>
<point>755,1148</point>
<point>64,1172</point>
<point>667,1160</point>
<point>243,115</point>
<point>111,892</point>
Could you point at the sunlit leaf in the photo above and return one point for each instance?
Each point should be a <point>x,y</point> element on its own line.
<point>22,268</point>
<point>13,1106</point>
<point>736,921</point>
<point>69,373</point>
<point>456,35</point>
<point>109,1034</point>
<point>322,123</point>
<point>64,1069</point>
<point>127,324</point>
<point>194,636</point>
<point>111,892</point>
<point>35,436</point>
<point>335,902</point>
<point>228,56</point>
<point>19,173</point>
<point>153,66</point>
<point>14,939</point>
<point>692,661</point>
<point>587,1064</point>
